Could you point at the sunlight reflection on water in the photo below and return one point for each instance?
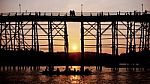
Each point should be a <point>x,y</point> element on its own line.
<point>104,77</point>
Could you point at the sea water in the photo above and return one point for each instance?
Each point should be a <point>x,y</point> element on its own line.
<point>106,76</point>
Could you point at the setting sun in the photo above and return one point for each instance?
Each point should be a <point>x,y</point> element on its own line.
<point>74,47</point>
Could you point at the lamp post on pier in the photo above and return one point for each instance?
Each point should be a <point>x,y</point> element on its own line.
<point>81,9</point>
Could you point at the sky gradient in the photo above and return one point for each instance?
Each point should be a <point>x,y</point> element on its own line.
<point>66,5</point>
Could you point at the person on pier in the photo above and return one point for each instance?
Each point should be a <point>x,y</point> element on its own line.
<point>72,13</point>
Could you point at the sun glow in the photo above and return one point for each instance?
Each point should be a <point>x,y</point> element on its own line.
<point>74,47</point>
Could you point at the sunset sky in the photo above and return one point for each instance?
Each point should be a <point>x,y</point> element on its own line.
<point>66,5</point>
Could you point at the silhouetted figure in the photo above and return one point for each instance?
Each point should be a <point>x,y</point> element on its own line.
<point>69,70</point>
<point>36,13</point>
<point>51,68</point>
<point>87,71</point>
<point>145,12</point>
<point>119,12</point>
<point>74,70</point>
<point>58,70</point>
<point>46,68</point>
<point>90,14</point>
<point>108,14</point>
<point>39,13</point>
<point>30,13</point>
<point>72,13</point>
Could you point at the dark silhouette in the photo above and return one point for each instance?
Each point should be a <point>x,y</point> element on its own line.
<point>72,13</point>
<point>69,72</point>
<point>30,54</point>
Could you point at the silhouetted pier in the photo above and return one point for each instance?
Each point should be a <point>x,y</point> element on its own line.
<point>23,37</point>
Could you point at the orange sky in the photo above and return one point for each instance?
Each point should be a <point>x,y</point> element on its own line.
<point>66,5</point>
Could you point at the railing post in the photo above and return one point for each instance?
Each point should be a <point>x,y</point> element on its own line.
<point>1,35</point>
<point>117,43</point>
<point>36,38</point>
<point>149,36</point>
<point>134,47</point>
<point>113,38</point>
<point>49,47</point>
<point>66,45</point>
<point>5,35</point>
<point>18,35</point>
<point>15,36</point>
<point>127,36</point>
<point>97,40</point>
<point>130,29</point>
<point>23,36</point>
<point>82,47</point>
<point>10,36</point>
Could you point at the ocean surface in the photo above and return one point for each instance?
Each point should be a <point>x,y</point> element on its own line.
<point>107,76</point>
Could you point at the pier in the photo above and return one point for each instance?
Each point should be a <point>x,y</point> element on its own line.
<point>22,35</point>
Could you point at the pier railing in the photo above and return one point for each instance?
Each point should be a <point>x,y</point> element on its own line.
<point>76,13</point>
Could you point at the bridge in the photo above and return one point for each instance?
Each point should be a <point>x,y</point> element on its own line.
<point>23,36</point>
